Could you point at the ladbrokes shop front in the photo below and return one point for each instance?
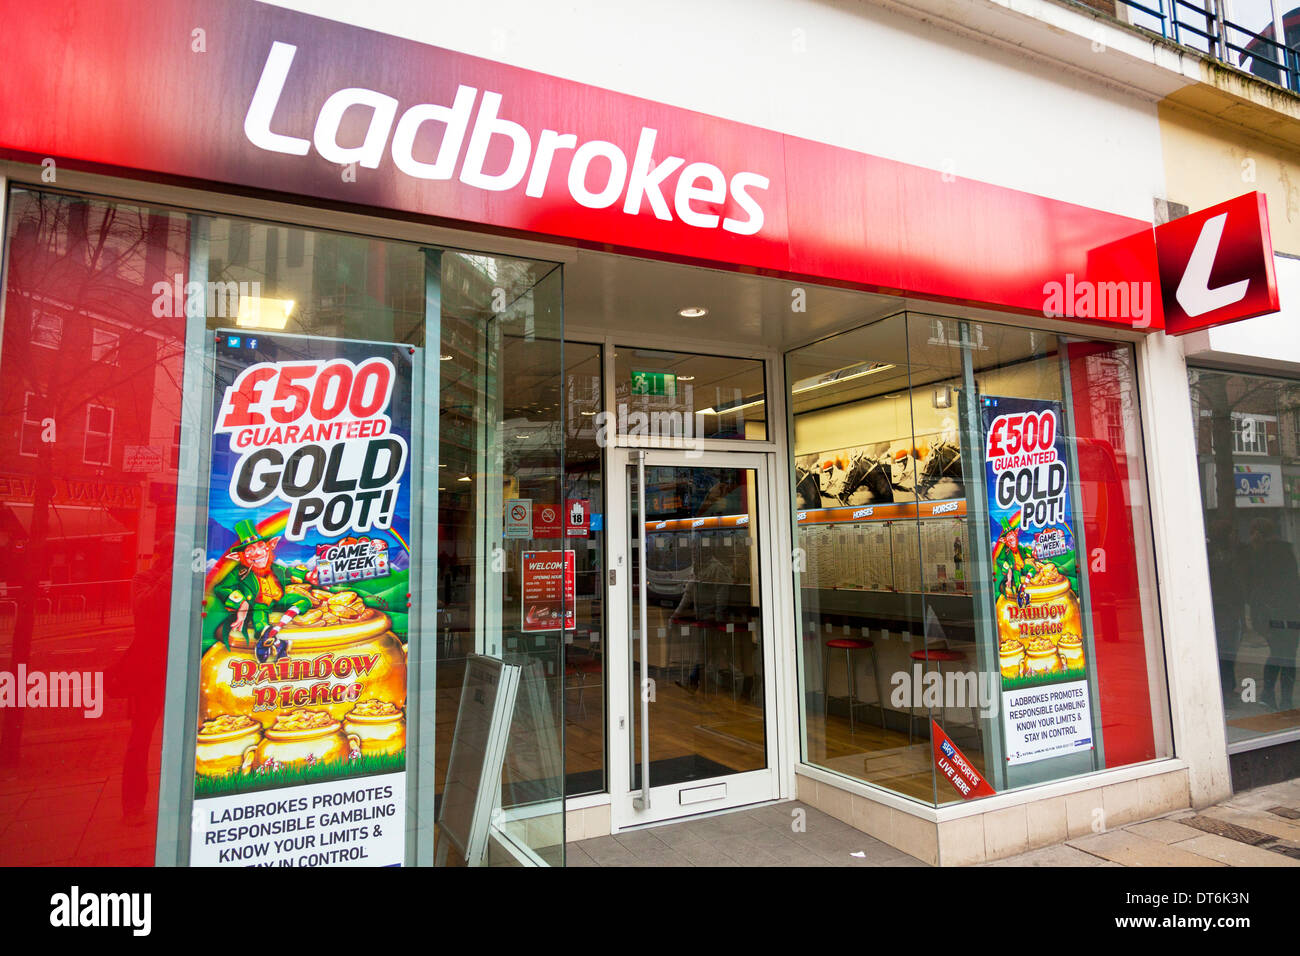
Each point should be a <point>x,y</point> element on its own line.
<point>415,459</point>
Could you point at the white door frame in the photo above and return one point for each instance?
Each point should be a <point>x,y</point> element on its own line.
<point>625,706</point>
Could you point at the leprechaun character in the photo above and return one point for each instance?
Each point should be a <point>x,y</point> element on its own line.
<point>256,587</point>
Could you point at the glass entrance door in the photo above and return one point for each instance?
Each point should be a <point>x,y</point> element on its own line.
<point>692,707</point>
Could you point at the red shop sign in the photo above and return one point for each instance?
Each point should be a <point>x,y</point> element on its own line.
<point>295,104</point>
<point>1216,265</point>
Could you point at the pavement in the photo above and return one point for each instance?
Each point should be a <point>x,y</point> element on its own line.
<point>779,834</point>
<point>1258,827</point>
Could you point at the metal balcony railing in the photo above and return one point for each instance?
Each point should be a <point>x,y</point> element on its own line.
<point>1217,28</point>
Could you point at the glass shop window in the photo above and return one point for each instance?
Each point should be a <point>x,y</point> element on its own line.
<point>971,550</point>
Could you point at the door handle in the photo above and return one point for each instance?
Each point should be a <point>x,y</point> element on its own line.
<point>643,802</point>
<point>613,577</point>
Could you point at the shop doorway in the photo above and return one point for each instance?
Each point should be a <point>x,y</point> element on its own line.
<point>692,688</point>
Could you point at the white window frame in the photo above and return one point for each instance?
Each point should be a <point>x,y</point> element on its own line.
<point>37,315</point>
<point>109,351</point>
<point>1261,434</point>
<point>27,401</point>
<point>112,421</point>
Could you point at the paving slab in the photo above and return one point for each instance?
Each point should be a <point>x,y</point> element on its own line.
<point>1287,830</point>
<point>1164,831</point>
<point>606,851</point>
<point>680,834</point>
<point>1232,853</point>
<point>1059,855</point>
<point>707,854</point>
<point>640,841</point>
<point>904,860</point>
<point>770,836</point>
<point>576,856</point>
<point>1129,849</point>
<point>792,854</point>
<point>779,814</point>
<point>841,851</point>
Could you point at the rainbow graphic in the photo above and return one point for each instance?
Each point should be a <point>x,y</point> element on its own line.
<point>400,540</point>
<point>267,527</point>
<point>1012,523</point>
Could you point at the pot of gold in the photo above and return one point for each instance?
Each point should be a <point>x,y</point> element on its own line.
<point>223,742</point>
<point>379,725</point>
<point>1070,649</point>
<point>302,738</point>
<point>1040,657</point>
<point>340,651</point>
<point>1011,658</point>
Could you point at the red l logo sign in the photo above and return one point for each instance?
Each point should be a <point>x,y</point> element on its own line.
<point>1194,293</point>
<point>1216,266</point>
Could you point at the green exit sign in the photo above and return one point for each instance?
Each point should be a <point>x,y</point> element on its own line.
<point>654,383</point>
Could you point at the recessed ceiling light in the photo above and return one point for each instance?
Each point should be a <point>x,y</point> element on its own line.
<point>685,378</point>
<point>446,358</point>
<point>464,478</point>
<point>693,312</point>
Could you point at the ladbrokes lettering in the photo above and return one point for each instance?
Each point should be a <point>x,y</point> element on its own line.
<point>599,173</point>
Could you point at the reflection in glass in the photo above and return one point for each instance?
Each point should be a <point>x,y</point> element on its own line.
<point>91,392</point>
<point>704,620</point>
<point>500,440</point>
<point>898,610</point>
<point>676,395</point>
<point>1248,440</point>
<point>584,652</point>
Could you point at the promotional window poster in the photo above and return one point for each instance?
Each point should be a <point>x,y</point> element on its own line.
<point>1035,576</point>
<point>928,468</point>
<point>302,680</point>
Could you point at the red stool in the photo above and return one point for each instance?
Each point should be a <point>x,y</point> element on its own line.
<point>849,645</point>
<point>939,655</point>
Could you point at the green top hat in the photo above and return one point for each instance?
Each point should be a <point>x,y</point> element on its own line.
<point>247,535</point>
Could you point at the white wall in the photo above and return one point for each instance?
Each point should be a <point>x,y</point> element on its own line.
<point>1273,338</point>
<point>847,73</point>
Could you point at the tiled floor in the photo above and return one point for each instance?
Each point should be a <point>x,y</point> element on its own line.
<point>1253,828</point>
<point>780,834</point>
